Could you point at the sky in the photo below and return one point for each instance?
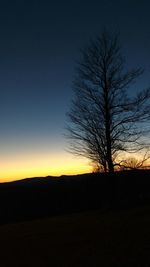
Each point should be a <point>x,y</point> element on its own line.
<point>39,45</point>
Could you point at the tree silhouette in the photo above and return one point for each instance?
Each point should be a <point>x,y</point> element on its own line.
<point>133,163</point>
<point>104,118</point>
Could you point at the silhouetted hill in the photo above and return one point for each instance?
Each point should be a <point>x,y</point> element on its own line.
<point>39,197</point>
<point>30,181</point>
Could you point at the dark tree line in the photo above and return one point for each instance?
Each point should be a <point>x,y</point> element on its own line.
<point>105,119</point>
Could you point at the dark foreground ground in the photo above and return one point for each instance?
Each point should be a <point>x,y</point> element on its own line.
<point>86,220</point>
<point>93,238</point>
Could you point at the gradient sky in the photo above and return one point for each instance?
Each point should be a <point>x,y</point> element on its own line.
<point>39,43</point>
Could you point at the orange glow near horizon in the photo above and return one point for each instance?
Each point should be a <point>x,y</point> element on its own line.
<point>26,166</point>
<point>16,167</point>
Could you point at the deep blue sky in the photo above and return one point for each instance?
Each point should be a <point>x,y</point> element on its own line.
<point>39,43</point>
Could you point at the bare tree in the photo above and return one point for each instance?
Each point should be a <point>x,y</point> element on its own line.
<point>134,163</point>
<point>104,118</point>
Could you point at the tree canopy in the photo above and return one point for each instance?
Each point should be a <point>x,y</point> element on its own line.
<point>105,118</point>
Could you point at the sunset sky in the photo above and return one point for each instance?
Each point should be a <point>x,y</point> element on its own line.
<point>39,44</point>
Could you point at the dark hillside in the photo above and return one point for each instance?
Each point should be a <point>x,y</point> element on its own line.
<point>40,197</point>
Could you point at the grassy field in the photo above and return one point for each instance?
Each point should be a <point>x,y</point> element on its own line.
<point>93,238</point>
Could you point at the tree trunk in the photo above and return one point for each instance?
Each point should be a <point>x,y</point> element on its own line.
<point>109,155</point>
<point>105,167</point>
<point>110,162</point>
<point>107,129</point>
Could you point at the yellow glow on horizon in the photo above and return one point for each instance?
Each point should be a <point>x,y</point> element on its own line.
<point>16,167</point>
<point>25,166</point>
